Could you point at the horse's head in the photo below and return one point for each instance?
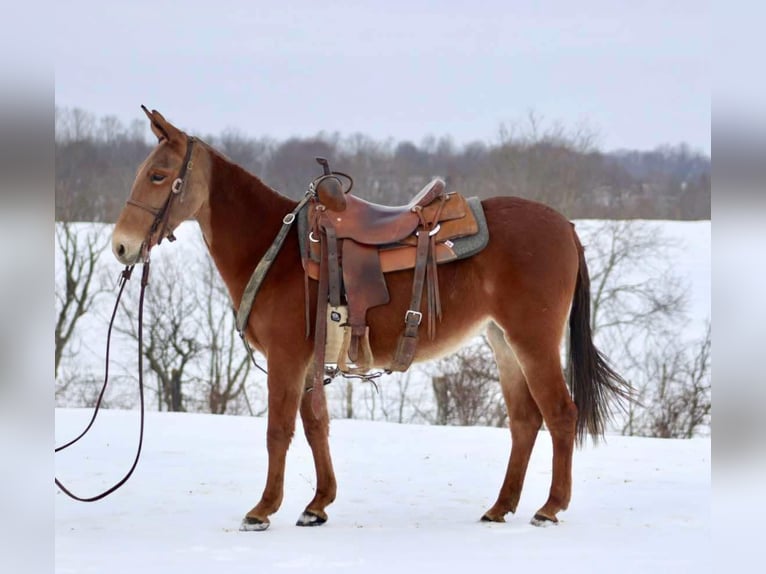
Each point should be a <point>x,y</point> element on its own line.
<point>170,187</point>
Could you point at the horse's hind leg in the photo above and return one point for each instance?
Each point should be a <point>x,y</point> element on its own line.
<point>317,429</point>
<point>524,419</point>
<point>541,363</point>
<point>284,389</point>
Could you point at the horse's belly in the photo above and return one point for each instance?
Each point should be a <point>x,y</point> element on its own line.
<point>447,341</point>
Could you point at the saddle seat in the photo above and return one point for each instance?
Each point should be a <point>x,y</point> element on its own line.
<point>373,224</point>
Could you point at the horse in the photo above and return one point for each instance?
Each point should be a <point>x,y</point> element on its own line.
<point>522,289</point>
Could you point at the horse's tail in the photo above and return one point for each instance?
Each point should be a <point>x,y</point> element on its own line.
<point>592,381</point>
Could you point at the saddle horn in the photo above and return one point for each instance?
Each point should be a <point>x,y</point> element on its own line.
<point>325,165</point>
<point>329,188</point>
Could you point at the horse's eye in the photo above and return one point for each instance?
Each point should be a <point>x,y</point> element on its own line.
<point>157,177</point>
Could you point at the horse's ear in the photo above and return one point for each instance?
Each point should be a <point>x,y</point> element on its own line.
<point>161,128</point>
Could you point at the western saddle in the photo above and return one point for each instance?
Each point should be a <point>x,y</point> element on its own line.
<point>353,243</point>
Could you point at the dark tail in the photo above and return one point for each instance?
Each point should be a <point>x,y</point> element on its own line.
<point>592,382</point>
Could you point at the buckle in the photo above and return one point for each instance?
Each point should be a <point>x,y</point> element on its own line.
<point>433,232</point>
<point>410,313</point>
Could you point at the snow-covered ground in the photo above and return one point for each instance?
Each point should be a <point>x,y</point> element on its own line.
<point>409,500</point>
<point>409,497</point>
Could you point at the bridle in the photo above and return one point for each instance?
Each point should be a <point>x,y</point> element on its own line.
<point>160,224</point>
<point>162,214</point>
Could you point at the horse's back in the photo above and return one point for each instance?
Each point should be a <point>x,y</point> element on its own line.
<point>526,274</point>
<point>529,240</point>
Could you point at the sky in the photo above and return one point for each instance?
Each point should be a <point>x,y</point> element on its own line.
<point>636,74</point>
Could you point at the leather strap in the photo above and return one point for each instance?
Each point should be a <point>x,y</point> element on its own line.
<point>432,276</point>
<point>333,262</point>
<point>405,349</point>
<point>425,272</point>
<point>259,274</point>
<point>124,277</point>
<point>320,335</point>
<point>177,189</point>
<point>162,214</point>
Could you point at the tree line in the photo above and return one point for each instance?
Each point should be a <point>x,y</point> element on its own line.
<point>97,158</point>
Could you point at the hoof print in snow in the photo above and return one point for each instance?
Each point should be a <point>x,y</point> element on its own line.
<point>540,520</point>
<point>253,525</point>
<point>310,519</point>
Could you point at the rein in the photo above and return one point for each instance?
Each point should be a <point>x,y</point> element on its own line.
<point>160,224</point>
<point>124,277</point>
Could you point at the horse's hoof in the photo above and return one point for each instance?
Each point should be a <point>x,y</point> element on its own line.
<point>253,524</point>
<point>542,520</point>
<point>309,518</point>
<point>488,518</point>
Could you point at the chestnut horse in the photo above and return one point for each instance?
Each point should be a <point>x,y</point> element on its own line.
<point>521,289</point>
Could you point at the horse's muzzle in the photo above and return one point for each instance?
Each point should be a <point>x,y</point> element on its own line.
<point>128,251</point>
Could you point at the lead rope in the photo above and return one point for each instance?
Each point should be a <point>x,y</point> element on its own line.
<point>124,277</point>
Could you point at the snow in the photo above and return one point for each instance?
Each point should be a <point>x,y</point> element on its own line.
<point>409,499</point>
<point>409,496</point>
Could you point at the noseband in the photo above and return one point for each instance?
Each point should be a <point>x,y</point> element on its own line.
<point>162,214</point>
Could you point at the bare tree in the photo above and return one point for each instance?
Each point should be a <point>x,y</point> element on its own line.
<point>110,129</point>
<point>349,399</point>
<point>622,298</point>
<point>674,387</point>
<point>191,344</point>
<point>401,397</point>
<point>639,318</point>
<point>401,405</point>
<point>223,382</point>
<point>466,388</point>
<point>401,401</point>
<point>170,336</point>
<point>546,162</point>
<point>77,284</point>
<point>252,154</point>
<point>74,125</point>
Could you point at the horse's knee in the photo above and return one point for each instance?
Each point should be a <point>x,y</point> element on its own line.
<point>278,435</point>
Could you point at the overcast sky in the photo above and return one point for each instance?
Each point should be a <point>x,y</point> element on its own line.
<point>636,73</point>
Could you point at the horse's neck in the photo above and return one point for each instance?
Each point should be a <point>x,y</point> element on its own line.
<point>242,218</point>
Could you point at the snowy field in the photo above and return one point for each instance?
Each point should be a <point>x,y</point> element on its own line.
<point>409,496</point>
<point>409,500</point>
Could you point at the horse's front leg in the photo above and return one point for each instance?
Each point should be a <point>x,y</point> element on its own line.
<point>285,385</point>
<point>317,429</point>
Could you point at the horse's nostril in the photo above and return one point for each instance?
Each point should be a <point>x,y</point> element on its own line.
<point>120,250</point>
